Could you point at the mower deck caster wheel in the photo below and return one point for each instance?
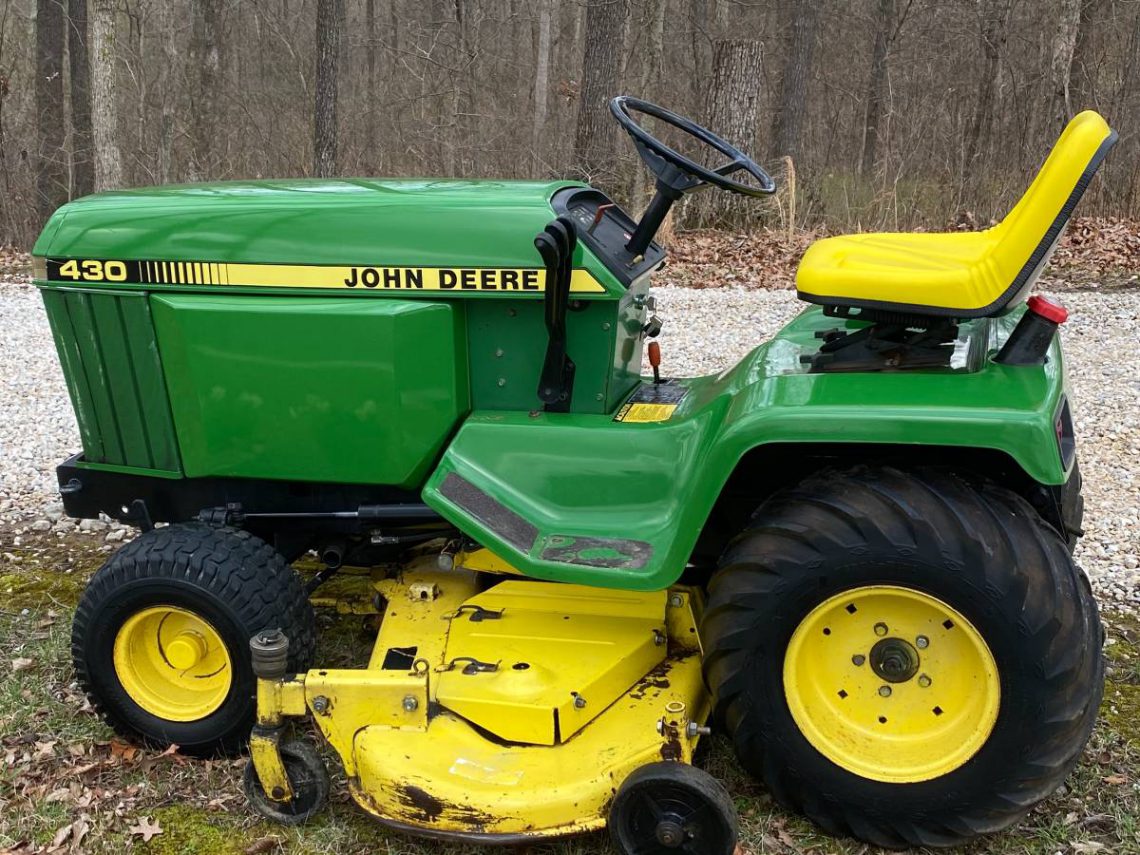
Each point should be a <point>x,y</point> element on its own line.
<point>667,808</point>
<point>308,777</point>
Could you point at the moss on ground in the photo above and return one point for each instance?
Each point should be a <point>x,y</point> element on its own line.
<point>46,570</point>
<point>41,587</point>
<point>188,830</point>
<point>1121,706</point>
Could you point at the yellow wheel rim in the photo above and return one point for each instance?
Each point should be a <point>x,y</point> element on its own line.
<point>173,663</point>
<point>891,684</point>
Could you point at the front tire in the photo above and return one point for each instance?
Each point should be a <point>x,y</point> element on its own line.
<point>906,658</point>
<point>160,640</point>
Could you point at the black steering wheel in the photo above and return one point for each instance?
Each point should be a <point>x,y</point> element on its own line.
<point>681,174</point>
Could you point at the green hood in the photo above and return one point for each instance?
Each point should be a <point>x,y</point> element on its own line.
<point>311,221</point>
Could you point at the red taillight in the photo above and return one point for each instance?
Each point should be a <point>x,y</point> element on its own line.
<point>1045,309</point>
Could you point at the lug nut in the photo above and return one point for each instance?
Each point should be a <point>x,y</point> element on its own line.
<point>676,601</point>
<point>321,705</point>
<point>880,629</point>
<point>579,702</point>
<point>922,642</point>
<point>924,681</point>
<point>693,729</point>
<point>858,659</point>
<point>885,691</point>
<point>411,704</point>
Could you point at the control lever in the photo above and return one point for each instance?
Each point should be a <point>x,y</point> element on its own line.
<point>556,244</point>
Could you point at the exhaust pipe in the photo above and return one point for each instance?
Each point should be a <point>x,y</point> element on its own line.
<point>332,554</point>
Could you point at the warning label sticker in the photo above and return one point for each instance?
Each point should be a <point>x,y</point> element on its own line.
<point>652,402</point>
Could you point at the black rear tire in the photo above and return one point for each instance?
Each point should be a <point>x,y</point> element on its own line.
<point>979,549</point>
<point>235,583</point>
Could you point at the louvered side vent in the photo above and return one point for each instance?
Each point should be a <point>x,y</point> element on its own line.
<point>110,360</point>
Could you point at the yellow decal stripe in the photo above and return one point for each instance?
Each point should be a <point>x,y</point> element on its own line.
<point>457,279</point>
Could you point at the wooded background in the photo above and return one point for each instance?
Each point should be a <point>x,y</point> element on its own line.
<point>873,113</point>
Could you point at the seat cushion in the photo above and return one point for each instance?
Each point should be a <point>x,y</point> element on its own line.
<point>941,273</point>
<point>962,274</point>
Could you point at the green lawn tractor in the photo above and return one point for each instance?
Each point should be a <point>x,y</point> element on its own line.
<point>850,553</point>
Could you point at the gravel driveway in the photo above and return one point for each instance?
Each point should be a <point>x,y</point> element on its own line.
<point>705,331</point>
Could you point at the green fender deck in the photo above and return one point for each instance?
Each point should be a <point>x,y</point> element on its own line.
<point>588,499</point>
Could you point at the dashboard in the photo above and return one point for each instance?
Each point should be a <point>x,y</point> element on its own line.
<point>605,228</point>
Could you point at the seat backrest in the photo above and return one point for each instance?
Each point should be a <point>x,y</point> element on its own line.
<point>1030,232</point>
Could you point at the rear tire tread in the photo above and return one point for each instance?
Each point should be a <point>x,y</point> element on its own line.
<point>957,519</point>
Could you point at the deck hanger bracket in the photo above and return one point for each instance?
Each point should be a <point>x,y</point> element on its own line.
<point>478,613</point>
<point>470,665</point>
<point>556,244</point>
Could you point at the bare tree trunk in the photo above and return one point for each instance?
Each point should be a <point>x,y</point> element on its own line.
<point>1127,103</point>
<point>877,84</point>
<point>51,176</point>
<point>652,69</point>
<point>1061,66</point>
<point>653,61</point>
<point>167,86</point>
<point>373,90</point>
<point>541,79</point>
<point>596,133</point>
<point>205,57</point>
<point>82,165</point>
<point>330,14</point>
<point>792,105</point>
<point>994,31</point>
<point>1082,81</point>
<point>733,110</point>
<point>462,127</point>
<point>104,96</point>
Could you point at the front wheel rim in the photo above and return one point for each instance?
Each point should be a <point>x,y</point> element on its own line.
<point>173,663</point>
<point>891,684</point>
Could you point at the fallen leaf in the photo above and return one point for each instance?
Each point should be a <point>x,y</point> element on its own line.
<point>123,750</point>
<point>145,829</point>
<point>266,844</point>
<point>1116,780</point>
<point>60,838</point>
<point>45,749</point>
<point>22,664</point>
<point>79,830</point>
<point>1088,848</point>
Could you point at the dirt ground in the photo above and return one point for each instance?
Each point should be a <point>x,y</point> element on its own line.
<point>67,785</point>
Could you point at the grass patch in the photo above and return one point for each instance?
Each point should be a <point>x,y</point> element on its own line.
<point>63,775</point>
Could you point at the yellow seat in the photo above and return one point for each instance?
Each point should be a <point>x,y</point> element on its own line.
<point>961,274</point>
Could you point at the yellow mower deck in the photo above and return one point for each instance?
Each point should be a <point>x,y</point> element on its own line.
<point>511,713</point>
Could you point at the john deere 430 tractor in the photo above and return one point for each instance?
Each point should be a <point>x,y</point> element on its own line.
<point>850,553</point>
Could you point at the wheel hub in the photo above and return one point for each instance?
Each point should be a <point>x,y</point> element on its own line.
<point>670,833</point>
<point>891,684</point>
<point>894,659</point>
<point>173,663</point>
<point>186,650</point>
